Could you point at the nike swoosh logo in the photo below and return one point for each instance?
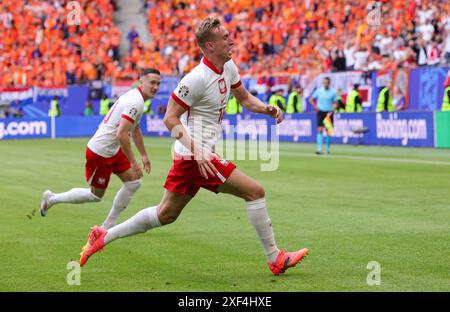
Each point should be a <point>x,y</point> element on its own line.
<point>286,262</point>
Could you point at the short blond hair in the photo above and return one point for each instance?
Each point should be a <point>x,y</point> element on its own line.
<point>204,31</point>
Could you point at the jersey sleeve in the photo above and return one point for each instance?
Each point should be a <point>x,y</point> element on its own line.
<point>235,78</point>
<point>315,94</point>
<point>188,90</point>
<point>131,112</point>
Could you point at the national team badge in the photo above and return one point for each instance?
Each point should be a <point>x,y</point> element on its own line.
<point>133,112</point>
<point>101,180</point>
<point>224,162</point>
<point>222,86</point>
<point>183,91</point>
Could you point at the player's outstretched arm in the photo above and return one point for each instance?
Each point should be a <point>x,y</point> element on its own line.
<point>139,142</point>
<point>253,104</point>
<point>173,123</point>
<point>124,140</point>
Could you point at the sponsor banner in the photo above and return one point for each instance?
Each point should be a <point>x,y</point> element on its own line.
<point>43,95</point>
<point>298,128</point>
<point>405,129</point>
<point>394,129</point>
<point>251,126</point>
<point>50,91</point>
<point>426,88</point>
<point>153,125</point>
<point>76,126</point>
<point>354,128</point>
<point>348,128</point>
<point>11,129</point>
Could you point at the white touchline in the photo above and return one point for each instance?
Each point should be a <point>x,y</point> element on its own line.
<point>401,160</point>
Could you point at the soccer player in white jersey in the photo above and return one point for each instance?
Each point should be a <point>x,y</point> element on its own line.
<point>200,100</point>
<point>109,151</point>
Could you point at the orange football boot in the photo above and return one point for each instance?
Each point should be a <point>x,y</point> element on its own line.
<point>286,260</point>
<point>95,243</point>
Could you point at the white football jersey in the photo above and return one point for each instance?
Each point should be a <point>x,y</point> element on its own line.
<point>204,92</point>
<point>129,106</point>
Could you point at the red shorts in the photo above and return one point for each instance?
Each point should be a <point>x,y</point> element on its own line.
<point>184,177</point>
<point>98,169</point>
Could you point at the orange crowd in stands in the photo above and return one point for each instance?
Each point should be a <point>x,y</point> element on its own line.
<point>37,47</point>
<point>299,36</point>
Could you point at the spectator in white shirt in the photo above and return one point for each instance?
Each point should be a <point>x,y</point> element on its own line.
<point>349,52</point>
<point>425,13</point>
<point>426,30</point>
<point>385,45</point>
<point>361,58</point>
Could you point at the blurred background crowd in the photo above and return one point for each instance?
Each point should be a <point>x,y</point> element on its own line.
<point>39,47</point>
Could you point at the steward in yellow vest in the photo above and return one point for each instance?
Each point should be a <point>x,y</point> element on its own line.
<point>54,107</point>
<point>233,106</point>
<point>277,99</point>
<point>446,100</point>
<point>104,106</point>
<point>354,103</point>
<point>294,104</point>
<point>385,103</point>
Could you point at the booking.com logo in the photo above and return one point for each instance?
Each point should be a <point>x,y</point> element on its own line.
<point>23,128</point>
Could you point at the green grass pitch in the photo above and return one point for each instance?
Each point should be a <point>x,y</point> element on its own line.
<point>360,204</point>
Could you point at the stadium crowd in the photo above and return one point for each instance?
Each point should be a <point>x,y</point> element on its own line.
<point>38,47</point>
<point>297,37</point>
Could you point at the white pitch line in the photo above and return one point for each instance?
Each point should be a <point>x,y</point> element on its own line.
<point>400,160</point>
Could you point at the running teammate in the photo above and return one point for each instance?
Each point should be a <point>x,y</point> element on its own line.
<point>109,151</point>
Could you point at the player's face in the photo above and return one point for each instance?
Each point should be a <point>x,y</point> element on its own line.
<point>223,44</point>
<point>150,84</point>
<point>326,83</point>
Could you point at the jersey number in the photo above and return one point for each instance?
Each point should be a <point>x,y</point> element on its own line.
<point>221,113</point>
<point>110,112</point>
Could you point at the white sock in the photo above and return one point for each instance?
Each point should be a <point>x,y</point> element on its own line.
<point>121,201</point>
<point>74,196</point>
<point>141,222</point>
<point>260,220</point>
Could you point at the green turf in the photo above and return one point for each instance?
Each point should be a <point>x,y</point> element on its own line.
<point>360,204</point>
